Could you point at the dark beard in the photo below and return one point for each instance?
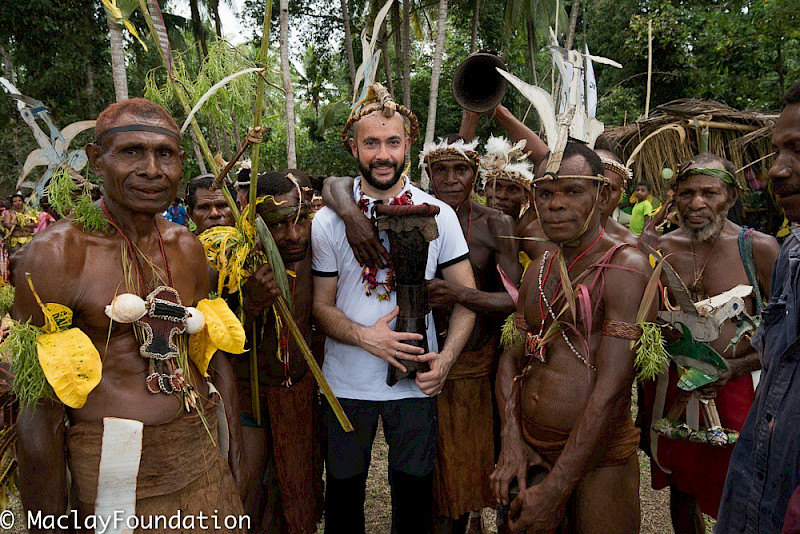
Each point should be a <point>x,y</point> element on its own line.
<point>366,172</point>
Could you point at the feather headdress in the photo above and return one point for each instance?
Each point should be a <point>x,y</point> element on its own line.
<point>444,151</point>
<point>577,103</point>
<point>374,96</point>
<point>504,161</point>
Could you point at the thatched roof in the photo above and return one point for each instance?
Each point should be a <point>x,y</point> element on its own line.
<point>740,136</point>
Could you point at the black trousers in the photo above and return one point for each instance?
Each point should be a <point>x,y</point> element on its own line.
<point>410,429</point>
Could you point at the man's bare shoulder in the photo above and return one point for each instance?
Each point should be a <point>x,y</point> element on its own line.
<point>633,265</point>
<point>61,244</point>
<point>672,241</point>
<point>184,239</point>
<point>765,248</point>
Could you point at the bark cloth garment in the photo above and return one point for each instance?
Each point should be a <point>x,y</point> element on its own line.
<point>294,466</point>
<point>700,469</point>
<point>465,438</point>
<point>180,469</point>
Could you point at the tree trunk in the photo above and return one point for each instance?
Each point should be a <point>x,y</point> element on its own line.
<point>473,40</point>
<point>348,44</point>
<point>779,67</point>
<point>8,66</point>
<point>197,27</point>
<point>387,61</point>
<point>573,22</point>
<point>117,60</point>
<point>531,32</point>
<point>398,41</point>
<point>406,46</point>
<point>214,5</point>
<point>198,155</point>
<point>291,156</point>
<point>90,89</point>
<point>441,27</point>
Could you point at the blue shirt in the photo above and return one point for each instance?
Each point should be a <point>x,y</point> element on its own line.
<point>765,466</point>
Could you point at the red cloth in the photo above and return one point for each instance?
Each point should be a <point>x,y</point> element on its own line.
<point>698,468</point>
<point>791,521</point>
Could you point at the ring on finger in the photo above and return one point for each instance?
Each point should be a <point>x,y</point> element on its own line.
<point>396,353</point>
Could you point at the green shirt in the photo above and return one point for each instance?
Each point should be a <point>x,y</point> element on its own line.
<point>640,210</point>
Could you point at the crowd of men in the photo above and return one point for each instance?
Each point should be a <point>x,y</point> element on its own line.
<point>540,429</point>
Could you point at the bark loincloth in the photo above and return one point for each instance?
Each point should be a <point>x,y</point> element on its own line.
<point>465,439</point>
<point>620,444</point>
<point>294,468</point>
<point>700,469</point>
<point>180,469</point>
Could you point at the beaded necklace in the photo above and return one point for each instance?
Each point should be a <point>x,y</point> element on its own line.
<point>534,346</point>
<point>369,275</point>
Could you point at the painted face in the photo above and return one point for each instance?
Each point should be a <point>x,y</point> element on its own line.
<point>140,170</point>
<point>210,210</point>
<point>565,205</point>
<point>508,197</point>
<point>785,172</point>
<point>380,145</point>
<point>703,203</point>
<point>452,180</point>
<point>17,203</point>
<point>642,192</point>
<point>293,237</point>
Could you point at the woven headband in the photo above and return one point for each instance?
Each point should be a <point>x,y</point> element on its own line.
<point>508,176</point>
<point>138,128</point>
<point>448,154</point>
<point>618,168</point>
<point>720,174</point>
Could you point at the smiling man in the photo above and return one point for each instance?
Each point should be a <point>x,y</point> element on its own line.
<point>565,394</point>
<point>709,253</point>
<point>761,493</point>
<point>355,307</point>
<point>138,156</point>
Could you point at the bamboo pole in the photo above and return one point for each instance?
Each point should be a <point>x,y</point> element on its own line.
<point>716,125</point>
<point>261,228</point>
<point>649,66</point>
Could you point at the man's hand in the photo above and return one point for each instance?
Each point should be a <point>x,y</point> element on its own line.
<point>431,382</point>
<point>383,342</point>
<point>363,238</point>
<point>442,294</point>
<point>516,458</point>
<point>260,290</point>
<point>538,508</point>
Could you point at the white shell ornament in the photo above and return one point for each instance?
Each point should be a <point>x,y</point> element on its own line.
<point>195,322</point>
<point>126,308</point>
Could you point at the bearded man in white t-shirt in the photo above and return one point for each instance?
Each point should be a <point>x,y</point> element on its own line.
<point>358,319</point>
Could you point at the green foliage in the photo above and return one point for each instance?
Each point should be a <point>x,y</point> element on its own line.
<point>19,348</point>
<point>651,357</point>
<point>71,200</point>
<point>6,299</point>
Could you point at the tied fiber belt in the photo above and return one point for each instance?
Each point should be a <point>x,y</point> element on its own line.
<point>475,363</point>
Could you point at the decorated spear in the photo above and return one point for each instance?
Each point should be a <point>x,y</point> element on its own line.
<point>155,23</point>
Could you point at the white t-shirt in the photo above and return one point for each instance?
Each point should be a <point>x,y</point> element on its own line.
<point>352,372</point>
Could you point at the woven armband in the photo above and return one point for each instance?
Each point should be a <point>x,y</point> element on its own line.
<point>621,330</point>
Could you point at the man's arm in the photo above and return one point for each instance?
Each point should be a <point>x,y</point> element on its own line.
<point>219,368</point>
<point>765,252</point>
<point>9,219</point>
<point>378,339</point>
<point>443,294</point>
<point>469,124</point>
<point>462,320</point>
<point>542,506</point>
<point>40,428</point>
<point>337,193</point>
<point>517,130</point>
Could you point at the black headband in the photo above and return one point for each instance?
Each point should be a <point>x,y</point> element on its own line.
<point>138,128</point>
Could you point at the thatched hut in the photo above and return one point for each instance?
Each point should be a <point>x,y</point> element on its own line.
<point>671,135</point>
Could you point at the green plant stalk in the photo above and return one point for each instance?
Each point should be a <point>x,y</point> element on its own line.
<point>286,315</point>
<point>255,397</point>
<point>258,112</point>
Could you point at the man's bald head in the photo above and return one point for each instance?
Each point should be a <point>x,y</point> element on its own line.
<point>127,111</point>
